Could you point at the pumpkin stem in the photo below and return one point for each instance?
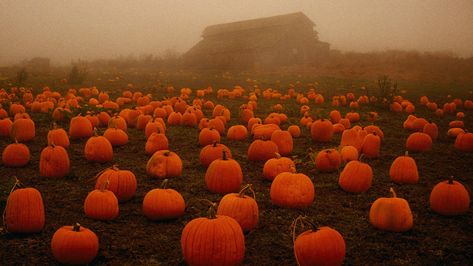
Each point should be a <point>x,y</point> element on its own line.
<point>215,144</point>
<point>115,167</point>
<point>95,132</point>
<point>224,155</point>
<point>406,153</point>
<point>277,155</point>
<point>104,185</point>
<point>76,227</point>
<point>361,157</point>
<point>164,183</point>
<point>393,192</point>
<point>248,187</point>
<point>212,212</point>
<point>450,180</point>
<point>167,153</point>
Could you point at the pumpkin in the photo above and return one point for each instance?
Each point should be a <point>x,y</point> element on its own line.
<point>262,150</point>
<point>464,142</point>
<point>208,136</point>
<point>449,198</point>
<point>418,142</point>
<point>157,141</point>
<point>217,124</point>
<point>116,136</point>
<point>335,116</point>
<point>283,140</point>
<point>292,190</point>
<point>404,170</point>
<point>24,210</point>
<point>80,127</point>
<point>349,153</point>
<point>16,155</point>
<point>237,132</point>
<point>371,145</point>
<point>223,175</point>
<point>74,245</point>
<point>275,166</point>
<point>5,127</point>
<point>321,130</point>
<point>318,245</point>
<point>353,137</point>
<point>164,164</point>
<point>212,152</point>
<point>54,162</point>
<point>216,240</point>
<point>23,130</point>
<point>419,123</point>
<point>121,182</point>
<point>454,132</point>
<point>163,203</point>
<point>59,137</point>
<point>263,131</point>
<point>157,125</point>
<point>294,130</point>
<point>101,204</point>
<point>242,208</point>
<point>456,123</point>
<point>356,177</point>
<point>189,119</point>
<point>98,149</point>
<point>431,129</point>
<point>328,160</point>
<point>391,214</point>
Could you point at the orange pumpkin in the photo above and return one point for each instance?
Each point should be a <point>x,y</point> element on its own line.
<point>450,198</point>
<point>54,162</point>
<point>242,208</point>
<point>74,245</point>
<point>223,175</point>
<point>328,160</point>
<point>292,190</point>
<point>163,203</point>
<point>164,164</point>
<point>391,214</point>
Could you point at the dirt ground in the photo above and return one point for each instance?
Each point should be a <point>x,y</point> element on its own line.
<point>133,239</point>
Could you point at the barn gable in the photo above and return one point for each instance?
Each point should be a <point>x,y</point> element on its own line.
<point>274,41</point>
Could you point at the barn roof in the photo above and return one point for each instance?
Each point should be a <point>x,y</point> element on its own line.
<point>287,19</point>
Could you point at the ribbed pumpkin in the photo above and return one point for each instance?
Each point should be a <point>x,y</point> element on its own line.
<point>318,245</point>
<point>419,142</point>
<point>163,203</point>
<point>391,214</point>
<point>262,150</point>
<point>98,149</point>
<point>283,140</point>
<point>349,153</point>
<point>24,210</point>
<point>80,127</point>
<point>431,129</point>
<point>23,130</point>
<point>116,136</point>
<point>328,160</point>
<point>275,166</point>
<point>16,155</point>
<point>294,130</point>
<point>74,245</point>
<point>121,182</point>
<point>164,164</point>
<point>5,127</point>
<point>404,170</point>
<point>59,137</point>
<point>212,152</point>
<point>157,141</point>
<point>371,145</point>
<point>321,130</point>
<point>449,198</point>
<point>223,175</point>
<point>101,204</point>
<point>216,240</point>
<point>356,177</point>
<point>292,190</point>
<point>54,162</point>
<point>208,136</point>
<point>242,208</point>
<point>157,125</point>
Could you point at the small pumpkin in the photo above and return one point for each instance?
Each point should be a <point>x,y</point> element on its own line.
<point>54,162</point>
<point>208,136</point>
<point>356,177</point>
<point>391,214</point>
<point>98,149</point>
<point>404,170</point>
<point>242,208</point>
<point>223,175</point>
<point>283,140</point>
<point>275,166</point>
<point>157,141</point>
<point>449,198</point>
<point>121,182</point>
<point>80,127</point>
<point>101,204</point>
<point>74,245</point>
<point>321,130</point>
<point>163,203</point>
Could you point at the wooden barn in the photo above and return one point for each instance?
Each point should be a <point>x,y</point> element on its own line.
<point>277,41</point>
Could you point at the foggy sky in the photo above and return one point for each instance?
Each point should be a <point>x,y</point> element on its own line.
<point>90,29</point>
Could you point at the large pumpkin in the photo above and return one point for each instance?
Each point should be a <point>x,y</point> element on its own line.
<point>216,240</point>
<point>16,155</point>
<point>101,204</point>
<point>74,245</point>
<point>404,170</point>
<point>98,149</point>
<point>212,152</point>
<point>80,127</point>
<point>391,214</point>
<point>356,177</point>
<point>283,140</point>
<point>24,210</point>
<point>321,130</point>
<point>419,142</point>
<point>54,162</point>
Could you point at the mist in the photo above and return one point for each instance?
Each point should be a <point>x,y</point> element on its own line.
<point>87,30</point>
